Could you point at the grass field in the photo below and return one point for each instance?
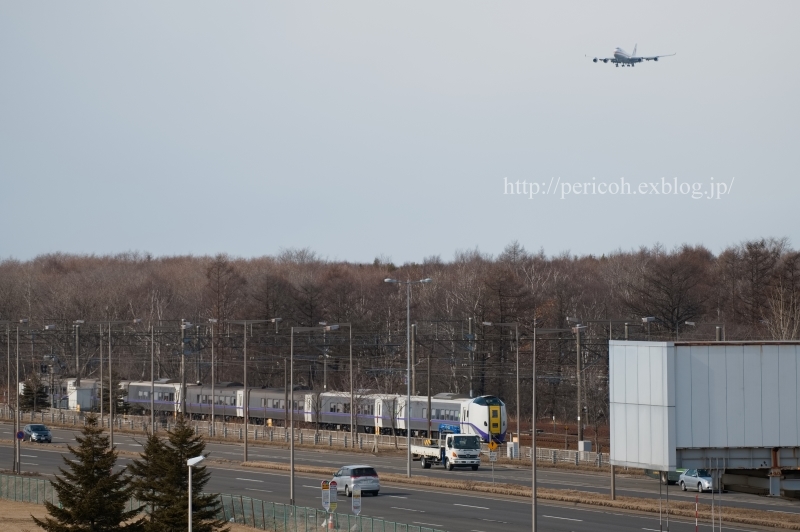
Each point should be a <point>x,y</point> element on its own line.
<point>16,517</point>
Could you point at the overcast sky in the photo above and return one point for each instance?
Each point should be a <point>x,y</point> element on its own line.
<point>360,129</point>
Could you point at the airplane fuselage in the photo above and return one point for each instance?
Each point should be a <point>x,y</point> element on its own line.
<point>622,56</point>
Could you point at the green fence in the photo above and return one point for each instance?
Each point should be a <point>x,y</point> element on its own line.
<point>256,513</point>
<point>27,489</point>
<point>285,518</point>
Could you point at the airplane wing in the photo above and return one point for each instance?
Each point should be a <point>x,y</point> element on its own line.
<point>655,57</point>
<point>604,60</point>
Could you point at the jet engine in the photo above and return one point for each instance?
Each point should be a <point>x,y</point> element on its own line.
<point>594,60</point>
<point>605,60</point>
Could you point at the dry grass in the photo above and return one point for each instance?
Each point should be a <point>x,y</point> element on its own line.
<point>16,517</point>
<point>682,509</point>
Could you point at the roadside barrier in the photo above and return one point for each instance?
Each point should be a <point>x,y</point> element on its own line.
<point>331,438</point>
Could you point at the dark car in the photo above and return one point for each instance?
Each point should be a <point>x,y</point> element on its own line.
<point>39,433</point>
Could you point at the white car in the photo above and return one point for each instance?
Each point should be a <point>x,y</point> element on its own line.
<point>363,477</point>
<point>699,479</point>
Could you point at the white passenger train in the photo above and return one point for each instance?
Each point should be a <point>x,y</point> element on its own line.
<point>484,416</point>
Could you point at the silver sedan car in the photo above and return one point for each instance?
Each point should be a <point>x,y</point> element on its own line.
<point>699,479</point>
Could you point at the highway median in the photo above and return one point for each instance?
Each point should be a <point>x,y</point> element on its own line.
<point>743,516</point>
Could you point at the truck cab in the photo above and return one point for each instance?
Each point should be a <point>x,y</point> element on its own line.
<point>451,450</point>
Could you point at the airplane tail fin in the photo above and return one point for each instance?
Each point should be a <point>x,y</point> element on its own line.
<point>634,50</point>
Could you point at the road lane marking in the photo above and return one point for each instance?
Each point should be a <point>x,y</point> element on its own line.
<point>28,463</point>
<point>495,521</point>
<point>398,497</point>
<point>256,489</point>
<point>32,456</point>
<point>407,509</point>
<point>249,480</point>
<point>470,506</point>
<point>313,487</point>
<point>424,524</point>
<point>651,529</point>
<point>564,518</point>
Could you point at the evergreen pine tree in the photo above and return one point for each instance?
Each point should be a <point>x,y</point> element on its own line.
<point>34,396</point>
<point>92,496</point>
<point>163,481</point>
<point>147,475</point>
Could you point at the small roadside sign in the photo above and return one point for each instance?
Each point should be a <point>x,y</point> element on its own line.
<point>20,435</point>
<point>357,501</point>
<point>492,445</point>
<point>492,456</point>
<point>326,495</point>
<point>333,496</point>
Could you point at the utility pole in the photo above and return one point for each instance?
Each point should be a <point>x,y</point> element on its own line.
<point>429,384</point>
<point>471,357</point>
<point>183,370</point>
<point>578,380</point>
<point>414,359</point>
<point>77,358</point>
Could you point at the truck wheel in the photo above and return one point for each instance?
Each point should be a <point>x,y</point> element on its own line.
<point>449,465</point>
<point>423,463</point>
<point>475,467</point>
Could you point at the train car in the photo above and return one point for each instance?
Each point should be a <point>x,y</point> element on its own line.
<point>199,399</point>
<point>486,417</point>
<point>166,396</point>
<point>483,416</point>
<point>267,406</point>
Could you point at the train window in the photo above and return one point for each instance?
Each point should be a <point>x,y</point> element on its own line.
<point>172,397</point>
<point>495,414</point>
<point>425,413</point>
<point>347,408</point>
<point>263,403</point>
<point>198,397</point>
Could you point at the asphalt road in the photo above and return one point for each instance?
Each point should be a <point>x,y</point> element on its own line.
<point>451,510</point>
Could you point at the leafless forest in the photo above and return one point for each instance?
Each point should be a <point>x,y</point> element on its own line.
<point>752,288</point>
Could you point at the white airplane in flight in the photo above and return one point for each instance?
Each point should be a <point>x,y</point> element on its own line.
<point>621,57</point>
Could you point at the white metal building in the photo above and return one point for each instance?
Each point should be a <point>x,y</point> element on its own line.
<point>732,405</point>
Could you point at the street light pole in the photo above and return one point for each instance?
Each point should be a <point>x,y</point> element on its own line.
<point>16,414</point>
<point>291,399</point>
<point>533,419</point>
<point>408,284</point>
<point>152,379</point>
<point>353,413</point>
<point>245,391</point>
<point>191,462</point>
<point>212,432</point>
<point>111,391</point>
